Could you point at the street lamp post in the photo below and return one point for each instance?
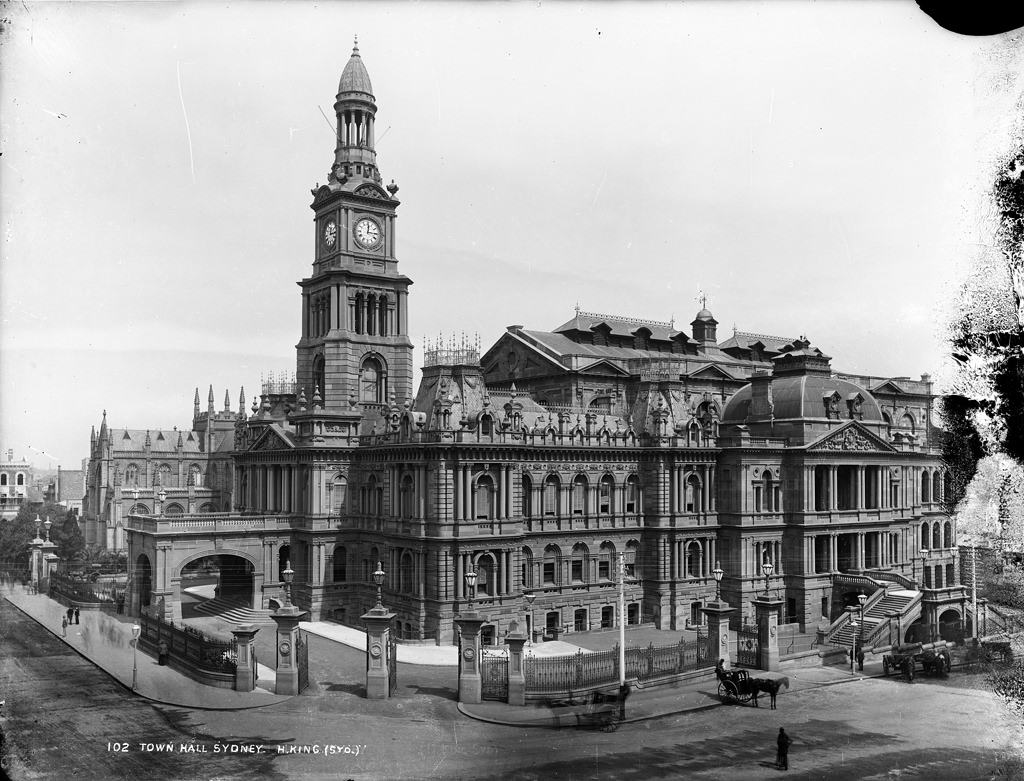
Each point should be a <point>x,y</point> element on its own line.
<point>718,572</point>
<point>378,578</point>
<point>288,574</point>
<point>471,587</point>
<point>529,596</point>
<point>136,631</point>
<point>622,620</point>
<point>853,642</point>
<point>767,568</point>
<point>862,598</point>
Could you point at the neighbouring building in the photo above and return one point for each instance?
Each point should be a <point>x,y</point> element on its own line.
<point>16,480</point>
<point>541,464</point>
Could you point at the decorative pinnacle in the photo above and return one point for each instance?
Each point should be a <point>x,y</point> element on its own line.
<point>355,45</point>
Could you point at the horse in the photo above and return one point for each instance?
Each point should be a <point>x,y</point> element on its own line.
<point>936,662</point>
<point>769,686</point>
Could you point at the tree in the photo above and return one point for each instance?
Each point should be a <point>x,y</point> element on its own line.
<point>18,533</point>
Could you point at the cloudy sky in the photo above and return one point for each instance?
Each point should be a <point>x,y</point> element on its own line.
<point>814,168</point>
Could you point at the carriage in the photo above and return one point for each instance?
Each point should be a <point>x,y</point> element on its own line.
<point>736,686</point>
<point>906,658</point>
<point>988,652</point>
<point>604,711</point>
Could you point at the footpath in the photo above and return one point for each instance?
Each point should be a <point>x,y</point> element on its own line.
<point>106,641</point>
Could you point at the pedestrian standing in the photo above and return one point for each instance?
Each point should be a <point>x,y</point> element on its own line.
<point>76,615</point>
<point>64,626</point>
<point>71,613</point>
<point>782,755</point>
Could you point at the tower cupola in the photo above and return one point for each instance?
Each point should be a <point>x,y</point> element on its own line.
<point>354,155</point>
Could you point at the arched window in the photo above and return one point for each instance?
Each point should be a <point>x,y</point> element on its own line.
<point>340,568</point>
<point>578,563</point>
<point>131,476</point>
<point>3,479</point>
<point>174,509</point>
<point>936,536</point>
<point>632,559</point>
<point>907,422</point>
<point>606,563</point>
<point>21,479</point>
<point>694,557</point>
<point>693,433</point>
<point>579,495</point>
<point>606,493</point>
<point>371,314</point>
<point>947,487</point>
<point>405,580</point>
<point>527,496</point>
<point>164,476</point>
<point>526,575</point>
<point>195,475</point>
<point>926,487</point>
<point>486,425</point>
<point>769,492</point>
<point>382,308</point>
<point>550,566</point>
<point>486,585</point>
<point>552,487</point>
<point>925,536</point>
<point>484,497</point>
<point>357,307</point>
<point>371,382</point>
<point>633,494</point>
<point>406,496</point>
<point>319,381</point>
<point>339,495</point>
<point>692,498</point>
<point>947,535</point>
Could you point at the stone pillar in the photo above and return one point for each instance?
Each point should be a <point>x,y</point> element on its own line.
<point>287,619</point>
<point>378,645</point>
<point>470,683</point>
<point>718,629</point>
<point>245,667</point>
<point>36,576</point>
<point>767,611</point>
<point>516,674</point>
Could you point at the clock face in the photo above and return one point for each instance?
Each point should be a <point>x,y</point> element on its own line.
<point>367,232</point>
<point>330,234</point>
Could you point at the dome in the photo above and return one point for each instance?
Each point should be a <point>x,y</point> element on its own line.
<point>805,396</point>
<point>355,78</point>
<point>704,314</point>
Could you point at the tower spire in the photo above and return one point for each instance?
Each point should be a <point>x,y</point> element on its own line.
<point>209,401</point>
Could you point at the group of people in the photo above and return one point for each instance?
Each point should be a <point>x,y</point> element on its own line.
<point>70,617</point>
<point>782,742</point>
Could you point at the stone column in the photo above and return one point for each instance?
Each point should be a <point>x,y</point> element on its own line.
<point>516,674</point>
<point>470,682</point>
<point>767,611</point>
<point>718,630</point>
<point>378,636</point>
<point>245,667</point>
<point>287,619</point>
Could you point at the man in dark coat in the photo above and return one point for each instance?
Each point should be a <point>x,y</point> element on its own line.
<point>76,615</point>
<point>782,757</point>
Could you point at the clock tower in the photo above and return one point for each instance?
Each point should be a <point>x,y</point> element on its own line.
<point>355,347</point>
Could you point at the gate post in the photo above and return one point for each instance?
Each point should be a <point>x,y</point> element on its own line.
<point>768,610</point>
<point>718,630</point>
<point>245,665</point>
<point>287,619</point>
<point>378,650</point>
<point>470,683</point>
<point>516,674</point>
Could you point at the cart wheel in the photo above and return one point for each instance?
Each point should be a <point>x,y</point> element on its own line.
<point>727,691</point>
<point>611,723</point>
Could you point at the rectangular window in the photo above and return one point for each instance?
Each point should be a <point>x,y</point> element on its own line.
<point>550,500</point>
<point>577,569</point>
<point>549,572</point>
<point>606,498</point>
<point>578,494</point>
<point>604,568</point>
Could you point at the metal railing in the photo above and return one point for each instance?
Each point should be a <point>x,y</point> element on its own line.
<point>582,671</point>
<point>189,646</point>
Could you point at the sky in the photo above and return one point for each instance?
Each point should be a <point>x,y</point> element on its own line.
<point>814,169</point>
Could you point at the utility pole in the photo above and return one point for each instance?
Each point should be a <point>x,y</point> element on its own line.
<point>622,620</point>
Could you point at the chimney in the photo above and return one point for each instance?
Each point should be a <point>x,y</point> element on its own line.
<point>10,454</point>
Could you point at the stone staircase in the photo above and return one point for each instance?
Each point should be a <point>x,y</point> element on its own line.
<point>233,611</point>
<point>894,602</point>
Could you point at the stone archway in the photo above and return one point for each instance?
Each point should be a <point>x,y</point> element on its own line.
<point>230,575</point>
<point>144,578</point>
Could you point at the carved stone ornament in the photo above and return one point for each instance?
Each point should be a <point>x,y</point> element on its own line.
<point>369,191</point>
<point>848,440</point>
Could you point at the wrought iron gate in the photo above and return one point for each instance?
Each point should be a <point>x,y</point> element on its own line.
<point>494,675</point>
<point>748,647</point>
<point>392,663</point>
<point>302,659</point>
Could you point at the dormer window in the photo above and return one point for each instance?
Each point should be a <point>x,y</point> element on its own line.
<point>831,403</point>
<point>854,404</point>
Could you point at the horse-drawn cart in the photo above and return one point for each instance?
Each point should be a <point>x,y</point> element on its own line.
<point>906,658</point>
<point>737,686</point>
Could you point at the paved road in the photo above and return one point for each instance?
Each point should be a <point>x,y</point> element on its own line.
<point>62,713</point>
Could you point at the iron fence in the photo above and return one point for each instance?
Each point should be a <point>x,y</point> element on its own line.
<point>590,670</point>
<point>189,646</point>
<point>79,590</point>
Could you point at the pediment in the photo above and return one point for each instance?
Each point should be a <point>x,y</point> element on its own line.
<point>852,438</point>
<point>887,387</point>
<point>603,367</point>
<point>372,191</point>
<point>270,440</point>
<point>711,371</point>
